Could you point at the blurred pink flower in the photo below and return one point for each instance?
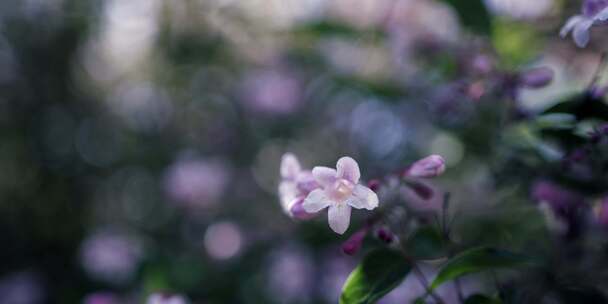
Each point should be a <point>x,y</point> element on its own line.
<point>340,190</point>
<point>110,257</point>
<point>354,242</point>
<point>295,185</point>
<point>196,182</point>
<point>272,91</point>
<point>291,274</point>
<point>163,298</point>
<point>430,166</point>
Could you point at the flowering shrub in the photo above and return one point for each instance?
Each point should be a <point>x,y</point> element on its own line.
<point>303,151</point>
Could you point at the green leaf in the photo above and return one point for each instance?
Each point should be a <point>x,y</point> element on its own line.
<point>426,243</point>
<point>473,15</point>
<point>515,42</point>
<point>481,299</point>
<point>379,273</point>
<point>477,260</point>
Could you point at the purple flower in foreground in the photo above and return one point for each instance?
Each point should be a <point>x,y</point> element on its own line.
<point>430,166</point>
<point>340,191</point>
<point>295,185</point>
<point>594,12</point>
<point>163,298</point>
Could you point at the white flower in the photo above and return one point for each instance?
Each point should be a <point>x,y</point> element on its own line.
<point>594,12</point>
<point>295,185</point>
<point>340,190</point>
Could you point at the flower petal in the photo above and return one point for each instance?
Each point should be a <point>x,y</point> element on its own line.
<point>602,15</point>
<point>324,176</point>
<point>316,201</point>
<point>363,198</point>
<point>339,217</point>
<point>570,24</point>
<point>290,166</point>
<point>348,169</point>
<point>287,193</point>
<point>581,32</point>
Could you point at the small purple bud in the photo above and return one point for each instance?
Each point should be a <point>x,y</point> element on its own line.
<point>537,77</point>
<point>354,243</point>
<point>423,191</point>
<point>385,235</point>
<point>374,185</point>
<point>298,212</point>
<point>430,166</point>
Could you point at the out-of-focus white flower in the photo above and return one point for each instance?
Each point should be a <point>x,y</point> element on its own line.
<point>223,240</point>
<point>594,12</point>
<point>430,166</point>
<point>110,257</point>
<point>196,182</point>
<point>295,185</point>
<point>291,272</point>
<point>163,298</point>
<point>520,9</point>
<point>340,190</point>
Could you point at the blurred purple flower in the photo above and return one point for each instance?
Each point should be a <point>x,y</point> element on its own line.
<point>566,205</point>
<point>272,91</point>
<point>110,256</point>
<point>223,240</point>
<point>430,166</point>
<point>295,185</point>
<point>165,298</point>
<point>21,288</point>
<point>291,273</point>
<point>594,12</point>
<point>196,182</point>
<point>536,77</point>
<point>422,196</point>
<point>101,298</point>
<point>385,235</point>
<point>340,190</point>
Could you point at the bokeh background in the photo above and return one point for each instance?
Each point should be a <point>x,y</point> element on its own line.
<point>140,140</point>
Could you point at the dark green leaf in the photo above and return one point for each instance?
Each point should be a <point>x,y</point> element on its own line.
<point>379,273</point>
<point>481,299</point>
<point>473,14</point>
<point>426,243</point>
<point>477,260</point>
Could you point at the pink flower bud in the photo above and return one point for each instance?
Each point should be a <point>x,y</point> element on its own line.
<point>537,77</point>
<point>385,235</point>
<point>353,244</point>
<point>374,185</point>
<point>297,210</point>
<point>430,166</point>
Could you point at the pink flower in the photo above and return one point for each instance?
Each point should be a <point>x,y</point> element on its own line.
<point>162,298</point>
<point>354,243</point>
<point>295,185</point>
<point>340,191</point>
<point>430,166</point>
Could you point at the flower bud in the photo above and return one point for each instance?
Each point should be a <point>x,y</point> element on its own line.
<point>385,235</point>
<point>374,185</point>
<point>297,210</point>
<point>602,212</point>
<point>354,243</point>
<point>537,77</point>
<point>430,166</point>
